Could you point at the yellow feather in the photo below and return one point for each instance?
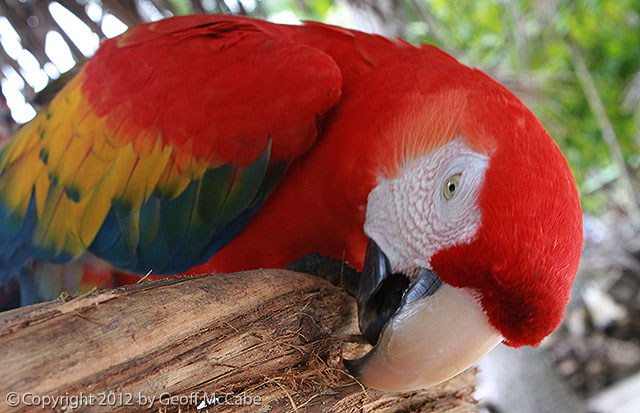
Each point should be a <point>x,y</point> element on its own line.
<point>196,168</point>
<point>122,169</point>
<point>89,173</point>
<point>105,149</point>
<point>144,177</point>
<point>18,180</point>
<point>50,231</point>
<point>160,158</point>
<point>96,209</point>
<point>72,242</point>
<point>56,142</point>
<point>87,123</point>
<point>58,129</point>
<point>75,155</point>
<point>72,91</point>
<point>171,182</point>
<point>97,161</point>
<point>57,230</point>
<point>25,139</point>
<point>42,189</point>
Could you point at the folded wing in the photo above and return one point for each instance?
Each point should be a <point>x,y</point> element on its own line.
<point>163,147</point>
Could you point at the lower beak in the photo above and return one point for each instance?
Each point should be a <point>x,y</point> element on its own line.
<point>429,339</point>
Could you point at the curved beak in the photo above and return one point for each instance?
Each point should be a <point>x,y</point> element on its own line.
<point>424,331</point>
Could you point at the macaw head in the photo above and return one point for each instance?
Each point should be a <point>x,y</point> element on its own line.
<point>475,234</point>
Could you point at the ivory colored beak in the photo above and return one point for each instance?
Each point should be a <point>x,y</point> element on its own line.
<point>430,341</point>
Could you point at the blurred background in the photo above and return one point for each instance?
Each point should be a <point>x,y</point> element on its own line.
<point>576,64</point>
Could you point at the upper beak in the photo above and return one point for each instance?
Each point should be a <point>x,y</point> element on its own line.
<point>424,330</point>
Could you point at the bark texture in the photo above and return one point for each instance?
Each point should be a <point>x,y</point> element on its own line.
<point>266,340</point>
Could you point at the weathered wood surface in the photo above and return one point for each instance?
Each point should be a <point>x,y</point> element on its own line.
<point>270,340</point>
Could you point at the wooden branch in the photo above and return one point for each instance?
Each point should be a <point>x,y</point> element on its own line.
<point>125,10</point>
<point>75,50</point>
<point>222,6</point>
<point>197,7</point>
<point>435,27</point>
<point>80,12</point>
<point>631,104</point>
<point>270,337</point>
<point>18,17</point>
<point>606,128</point>
<point>519,33</point>
<point>27,91</point>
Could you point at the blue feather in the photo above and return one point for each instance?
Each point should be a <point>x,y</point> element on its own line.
<point>16,234</point>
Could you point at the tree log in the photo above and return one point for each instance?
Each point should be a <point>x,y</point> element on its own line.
<point>266,340</point>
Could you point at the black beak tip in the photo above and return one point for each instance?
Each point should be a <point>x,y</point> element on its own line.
<point>354,367</point>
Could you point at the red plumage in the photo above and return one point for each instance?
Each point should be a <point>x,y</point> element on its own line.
<point>539,251</point>
<point>528,247</point>
<point>344,110</point>
<point>139,72</point>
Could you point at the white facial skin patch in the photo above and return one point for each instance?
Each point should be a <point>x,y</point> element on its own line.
<point>430,205</point>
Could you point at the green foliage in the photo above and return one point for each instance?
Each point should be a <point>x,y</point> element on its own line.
<point>181,7</point>
<point>303,10</point>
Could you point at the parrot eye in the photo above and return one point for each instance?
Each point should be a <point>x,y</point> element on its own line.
<point>451,185</point>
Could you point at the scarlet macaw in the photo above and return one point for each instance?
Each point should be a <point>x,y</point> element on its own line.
<point>223,143</point>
